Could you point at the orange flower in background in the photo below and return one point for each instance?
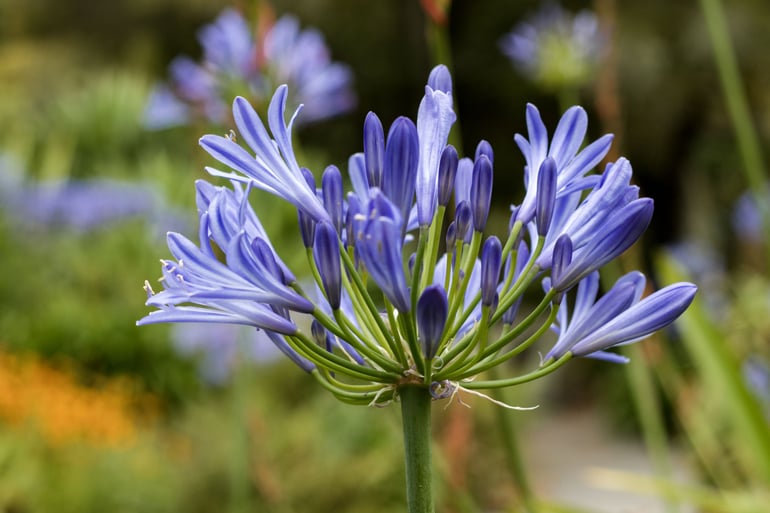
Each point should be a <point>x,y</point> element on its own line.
<point>50,400</point>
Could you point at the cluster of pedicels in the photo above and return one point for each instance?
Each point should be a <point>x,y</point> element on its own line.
<point>236,59</point>
<point>409,289</point>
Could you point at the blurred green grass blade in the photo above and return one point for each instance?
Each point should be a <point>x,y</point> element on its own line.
<point>702,434</point>
<point>721,376</point>
<point>650,413</point>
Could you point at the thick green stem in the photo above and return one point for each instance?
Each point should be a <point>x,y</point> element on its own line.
<point>415,412</point>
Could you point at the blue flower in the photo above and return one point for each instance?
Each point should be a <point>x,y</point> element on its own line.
<point>572,164</point>
<point>274,168</point>
<point>220,348</point>
<point>380,246</point>
<point>228,45</point>
<point>85,205</point>
<point>554,48</point>
<point>302,59</point>
<point>391,308</point>
<point>618,317</point>
<point>600,227</point>
<point>401,161</point>
<point>233,60</point>
<point>434,120</point>
<point>432,311</point>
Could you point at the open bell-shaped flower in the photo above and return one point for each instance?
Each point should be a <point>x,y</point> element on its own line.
<point>618,317</point>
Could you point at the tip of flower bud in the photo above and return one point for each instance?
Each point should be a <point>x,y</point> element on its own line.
<point>374,149</point>
<point>484,148</point>
<point>440,79</point>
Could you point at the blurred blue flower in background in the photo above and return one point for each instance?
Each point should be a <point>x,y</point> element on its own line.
<point>235,61</point>
<point>747,218</point>
<point>84,205</point>
<point>222,347</point>
<point>756,373</point>
<point>555,48</point>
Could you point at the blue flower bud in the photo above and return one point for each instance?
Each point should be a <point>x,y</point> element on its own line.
<point>447,170</point>
<point>546,195</point>
<point>331,187</point>
<point>352,224</point>
<point>491,259</point>
<point>522,257</point>
<point>320,334</point>
<point>374,149</point>
<point>431,315</point>
<point>326,252</point>
<point>266,257</point>
<point>484,148</point>
<point>562,257</point>
<point>451,237</point>
<point>402,153</point>
<point>306,222</point>
<point>463,219</point>
<point>440,79</point>
<point>381,248</point>
<point>481,192</point>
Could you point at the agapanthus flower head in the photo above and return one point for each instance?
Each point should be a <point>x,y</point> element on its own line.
<point>556,49</point>
<point>400,301</point>
<point>238,61</point>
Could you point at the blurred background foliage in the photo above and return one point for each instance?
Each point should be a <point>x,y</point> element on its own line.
<point>98,415</point>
